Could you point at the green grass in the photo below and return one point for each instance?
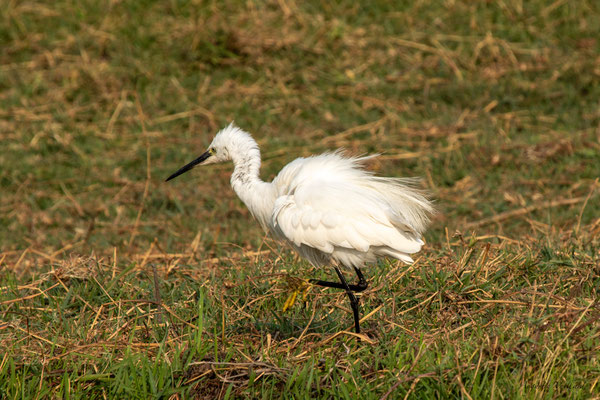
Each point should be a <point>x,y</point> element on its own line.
<point>114,284</point>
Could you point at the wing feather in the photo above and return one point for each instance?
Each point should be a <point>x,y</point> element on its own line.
<point>347,209</point>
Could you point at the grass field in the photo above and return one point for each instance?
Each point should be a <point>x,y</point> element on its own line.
<point>114,284</point>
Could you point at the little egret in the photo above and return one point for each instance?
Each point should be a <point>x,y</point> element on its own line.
<point>327,207</point>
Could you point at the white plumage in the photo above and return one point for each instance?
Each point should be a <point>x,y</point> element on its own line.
<point>326,207</point>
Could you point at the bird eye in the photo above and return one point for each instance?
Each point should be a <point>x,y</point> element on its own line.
<point>212,151</point>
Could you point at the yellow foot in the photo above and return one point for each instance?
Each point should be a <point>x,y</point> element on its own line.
<point>296,286</point>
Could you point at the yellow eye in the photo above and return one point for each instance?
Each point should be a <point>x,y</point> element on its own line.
<point>212,151</point>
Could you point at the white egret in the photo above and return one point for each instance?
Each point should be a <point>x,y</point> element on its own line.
<point>326,207</point>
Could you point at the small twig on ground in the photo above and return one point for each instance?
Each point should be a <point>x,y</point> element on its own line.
<point>522,211</point>
<point>157,298</point>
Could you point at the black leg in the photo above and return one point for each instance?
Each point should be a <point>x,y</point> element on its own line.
<point>362,282</point>
<point>359,287</point>
<point>353,300</point>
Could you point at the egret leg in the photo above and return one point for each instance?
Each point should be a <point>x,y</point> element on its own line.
<point>353,299</point>
<point>359,287</point>
<point>362,282</point>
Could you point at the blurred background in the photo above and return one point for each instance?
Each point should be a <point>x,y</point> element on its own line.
<point>495,105</point>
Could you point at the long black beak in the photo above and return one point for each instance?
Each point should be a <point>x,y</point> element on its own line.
<point>189,166</point>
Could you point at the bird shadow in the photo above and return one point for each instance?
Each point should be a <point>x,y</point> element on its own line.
<point>289,327</point>
<point>285,327</point>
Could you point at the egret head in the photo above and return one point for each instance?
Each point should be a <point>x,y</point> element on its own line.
<point>226,145</point>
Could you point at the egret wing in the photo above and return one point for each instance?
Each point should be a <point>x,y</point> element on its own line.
<point>329,215</point>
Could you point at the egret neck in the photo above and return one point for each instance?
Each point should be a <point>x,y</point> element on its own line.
<point>256,194</point>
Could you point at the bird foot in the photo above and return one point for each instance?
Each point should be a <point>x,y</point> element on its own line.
<point>296,286</point>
